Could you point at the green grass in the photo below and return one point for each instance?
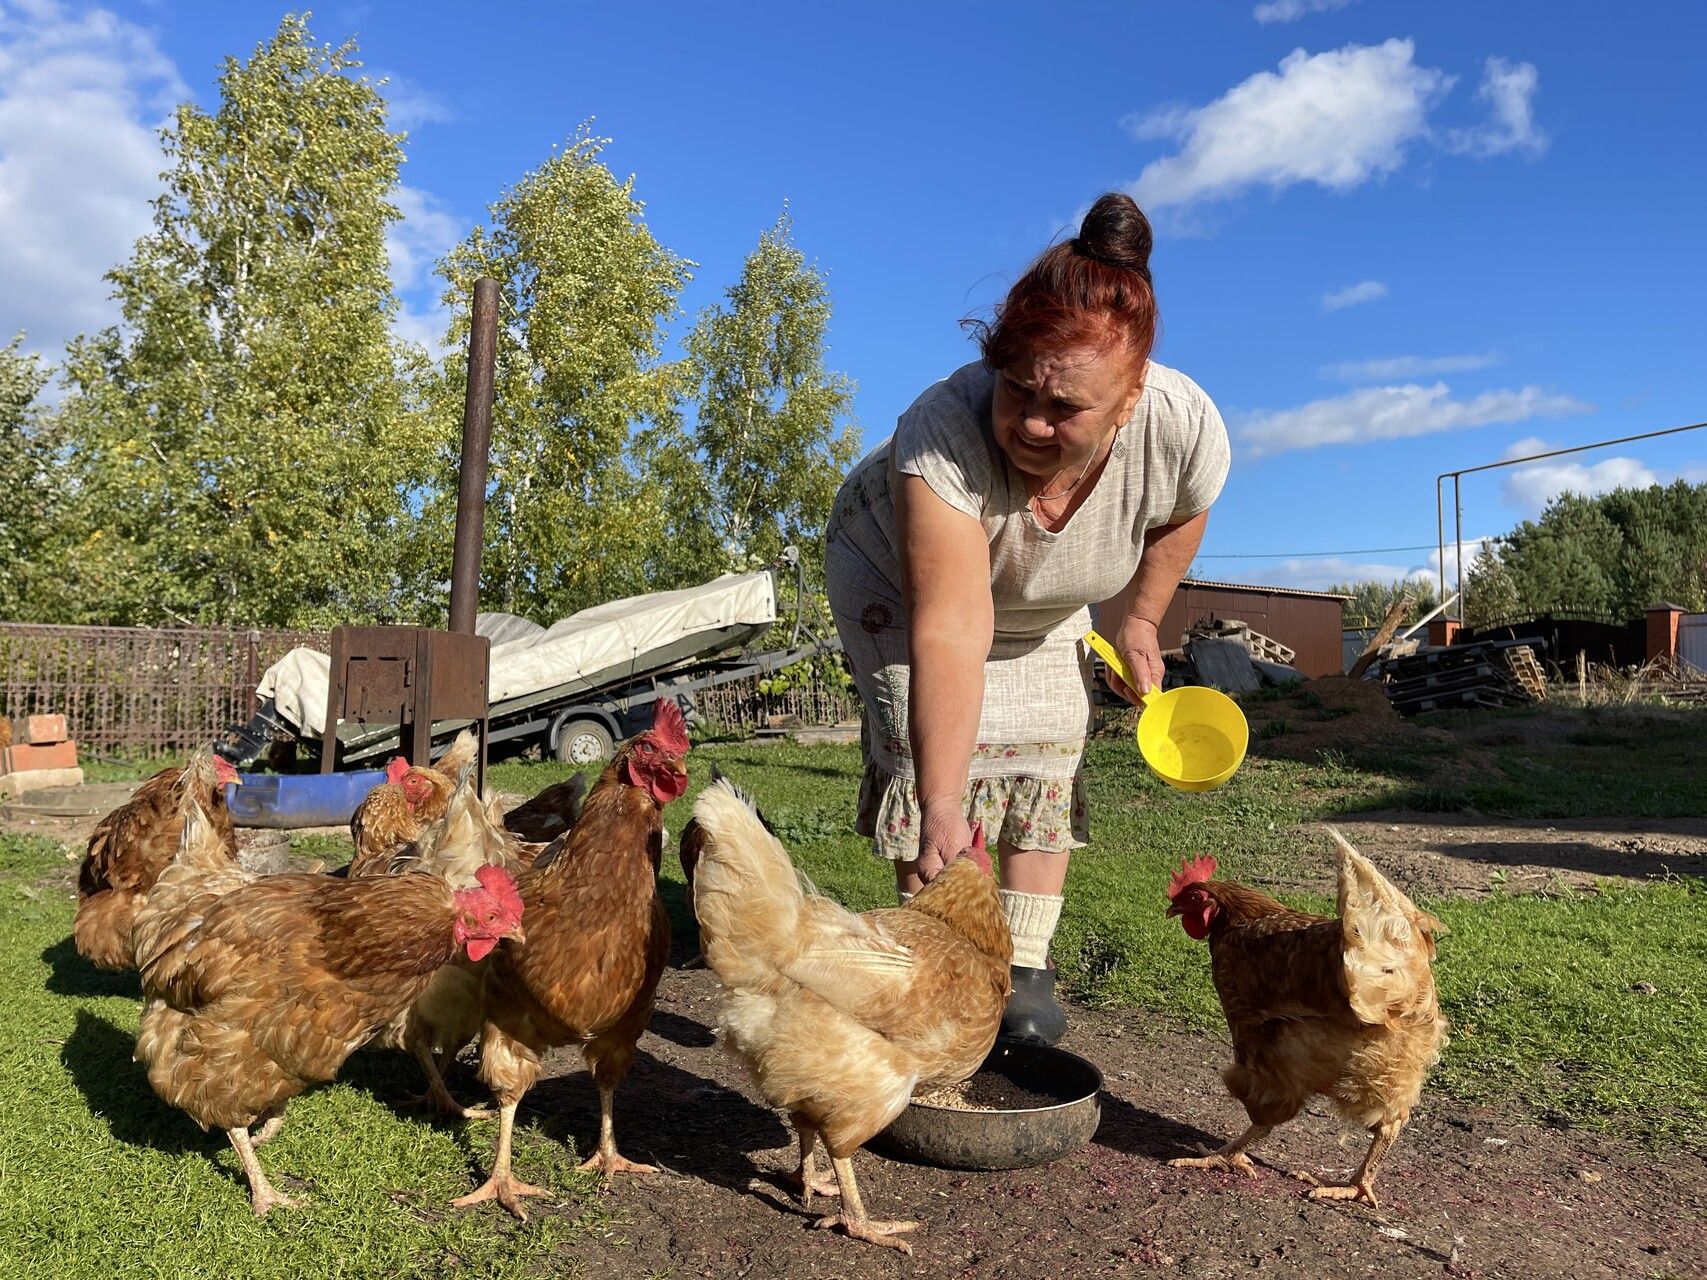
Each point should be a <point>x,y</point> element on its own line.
<point>100,1178</point>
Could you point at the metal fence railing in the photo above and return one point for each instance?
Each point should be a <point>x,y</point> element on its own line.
<point>741,706</point>
<point>139,690</point>
<point>149,691</point>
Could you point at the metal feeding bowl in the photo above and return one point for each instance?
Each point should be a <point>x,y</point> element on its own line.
<point>1052,1110</point>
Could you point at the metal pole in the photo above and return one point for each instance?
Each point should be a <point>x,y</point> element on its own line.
<point>476,443</point>
<point>1458,507</point>
<point>1440,534</point>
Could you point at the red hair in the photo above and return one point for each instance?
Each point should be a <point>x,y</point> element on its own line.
<point>1093,290</point>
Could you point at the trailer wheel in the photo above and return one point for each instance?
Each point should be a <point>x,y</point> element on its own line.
<point>584,742</point>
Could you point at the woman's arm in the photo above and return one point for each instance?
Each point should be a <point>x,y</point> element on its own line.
<point>945,575</point>
<point>1131,618</point>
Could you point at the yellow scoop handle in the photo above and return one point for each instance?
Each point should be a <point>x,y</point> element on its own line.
<point>1117,664</point>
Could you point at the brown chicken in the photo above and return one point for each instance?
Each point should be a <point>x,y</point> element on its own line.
<point>254,989</point>
<point>842,1017</point>
<point>447,1015</point>
<point>1340,1007</point>
<point>395,813</point>
<point>599,940</point>
<point>549,814</point>
<point>134,843</point>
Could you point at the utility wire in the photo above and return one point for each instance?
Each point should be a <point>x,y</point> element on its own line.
<point>1309,555</point>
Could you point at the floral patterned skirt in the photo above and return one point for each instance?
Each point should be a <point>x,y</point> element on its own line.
<point>1029,813</point>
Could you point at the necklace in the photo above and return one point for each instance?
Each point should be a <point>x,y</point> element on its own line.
<point>1083,472</point>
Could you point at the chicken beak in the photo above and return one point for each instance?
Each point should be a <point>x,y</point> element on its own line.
<point>516,934</point>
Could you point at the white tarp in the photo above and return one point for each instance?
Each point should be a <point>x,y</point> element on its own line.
<point>609,635</point>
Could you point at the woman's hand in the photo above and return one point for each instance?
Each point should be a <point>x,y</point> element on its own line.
<point>944,835</point>
<point>1137,642</point>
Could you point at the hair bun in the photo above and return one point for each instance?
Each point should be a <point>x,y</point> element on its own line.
<point>1116,231</point>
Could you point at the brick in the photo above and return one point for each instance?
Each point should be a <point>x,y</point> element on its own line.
<point>25,758</point>
<point>40,730</point>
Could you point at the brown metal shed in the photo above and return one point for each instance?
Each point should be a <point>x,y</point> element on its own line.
<point>1306,621</point>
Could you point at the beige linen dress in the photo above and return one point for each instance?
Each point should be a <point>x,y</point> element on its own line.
<point>1167,464</point>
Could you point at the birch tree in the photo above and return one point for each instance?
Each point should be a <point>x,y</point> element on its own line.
<point>775,434</point>
<point>576,511</point>
<point>241,447</point>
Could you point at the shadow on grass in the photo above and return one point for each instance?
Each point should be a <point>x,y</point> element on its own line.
<point>72,975</point>
<point>99,1057</point>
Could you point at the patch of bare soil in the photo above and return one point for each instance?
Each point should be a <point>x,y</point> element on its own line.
<point>1466,1191</point>
<point>1461,855</point>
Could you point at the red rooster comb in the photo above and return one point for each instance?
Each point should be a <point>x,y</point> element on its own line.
<point>669,730</point>
<point>224,773</point>
<point>396,769</point>
<point>976,853</point>
<point>502,886</point>
<point>1192,871</point>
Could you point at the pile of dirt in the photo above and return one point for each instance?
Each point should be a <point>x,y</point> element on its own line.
<point>1331,713</point>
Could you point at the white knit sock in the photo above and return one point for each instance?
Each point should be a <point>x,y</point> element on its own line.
<point>903,896</point>
<point>1032,918</point>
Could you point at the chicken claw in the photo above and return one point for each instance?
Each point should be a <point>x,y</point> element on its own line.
<point>506,1191</point>
<point>267,1198</point>
<point>1238,1162</point>
<point>441,1101</point>
<point>1320,1190</point>
<point>822,1184</point>
<point>886,1234</point>
<point>611,1164</point>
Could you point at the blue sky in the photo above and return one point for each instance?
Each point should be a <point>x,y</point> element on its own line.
<point>1393,237</point>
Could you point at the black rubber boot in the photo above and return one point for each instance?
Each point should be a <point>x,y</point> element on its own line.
<point>1033,1015</point>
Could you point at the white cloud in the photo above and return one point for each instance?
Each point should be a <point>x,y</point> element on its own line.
<point>81,98</point>
<point>1317,573</point>
<point>1391,367</point>
<point>1335,119</point>
<point>425,233</point>
<point>1353,294</point>
<point>1292,10</point>
<point>1394,413</point>
<point>1530,488</point>
<point>1509,90</point>
<point>410,105</point>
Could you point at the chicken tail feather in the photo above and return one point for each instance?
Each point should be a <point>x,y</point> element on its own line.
<point>746,893</point>
<point>1387,941</point>
<point>459,755</point>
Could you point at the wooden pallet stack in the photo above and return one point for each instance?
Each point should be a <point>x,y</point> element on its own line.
<point>1527,671</point>
<point>1440,678</point>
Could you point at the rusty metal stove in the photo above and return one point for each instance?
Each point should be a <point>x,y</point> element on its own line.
<point>414,676</point>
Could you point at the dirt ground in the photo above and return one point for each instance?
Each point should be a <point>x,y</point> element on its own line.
<point>1466,1192</point>
<point>1460,855</point>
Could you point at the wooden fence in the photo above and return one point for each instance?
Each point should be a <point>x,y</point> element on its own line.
<point>139,690</point>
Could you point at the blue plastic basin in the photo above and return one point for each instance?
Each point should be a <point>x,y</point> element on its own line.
<point>293,800</point>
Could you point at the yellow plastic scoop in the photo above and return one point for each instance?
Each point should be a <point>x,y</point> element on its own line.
<point>1193,737</point>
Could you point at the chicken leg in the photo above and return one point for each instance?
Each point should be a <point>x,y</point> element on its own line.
<point>606,1158</point>
<point>438,1096</point>
<point>262,1196</point>
<point>805,1180</point>
<point>852,1218</point>
<point>502,1185</point>
<point>1362,1187</point>
<point>1231,1157</point>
